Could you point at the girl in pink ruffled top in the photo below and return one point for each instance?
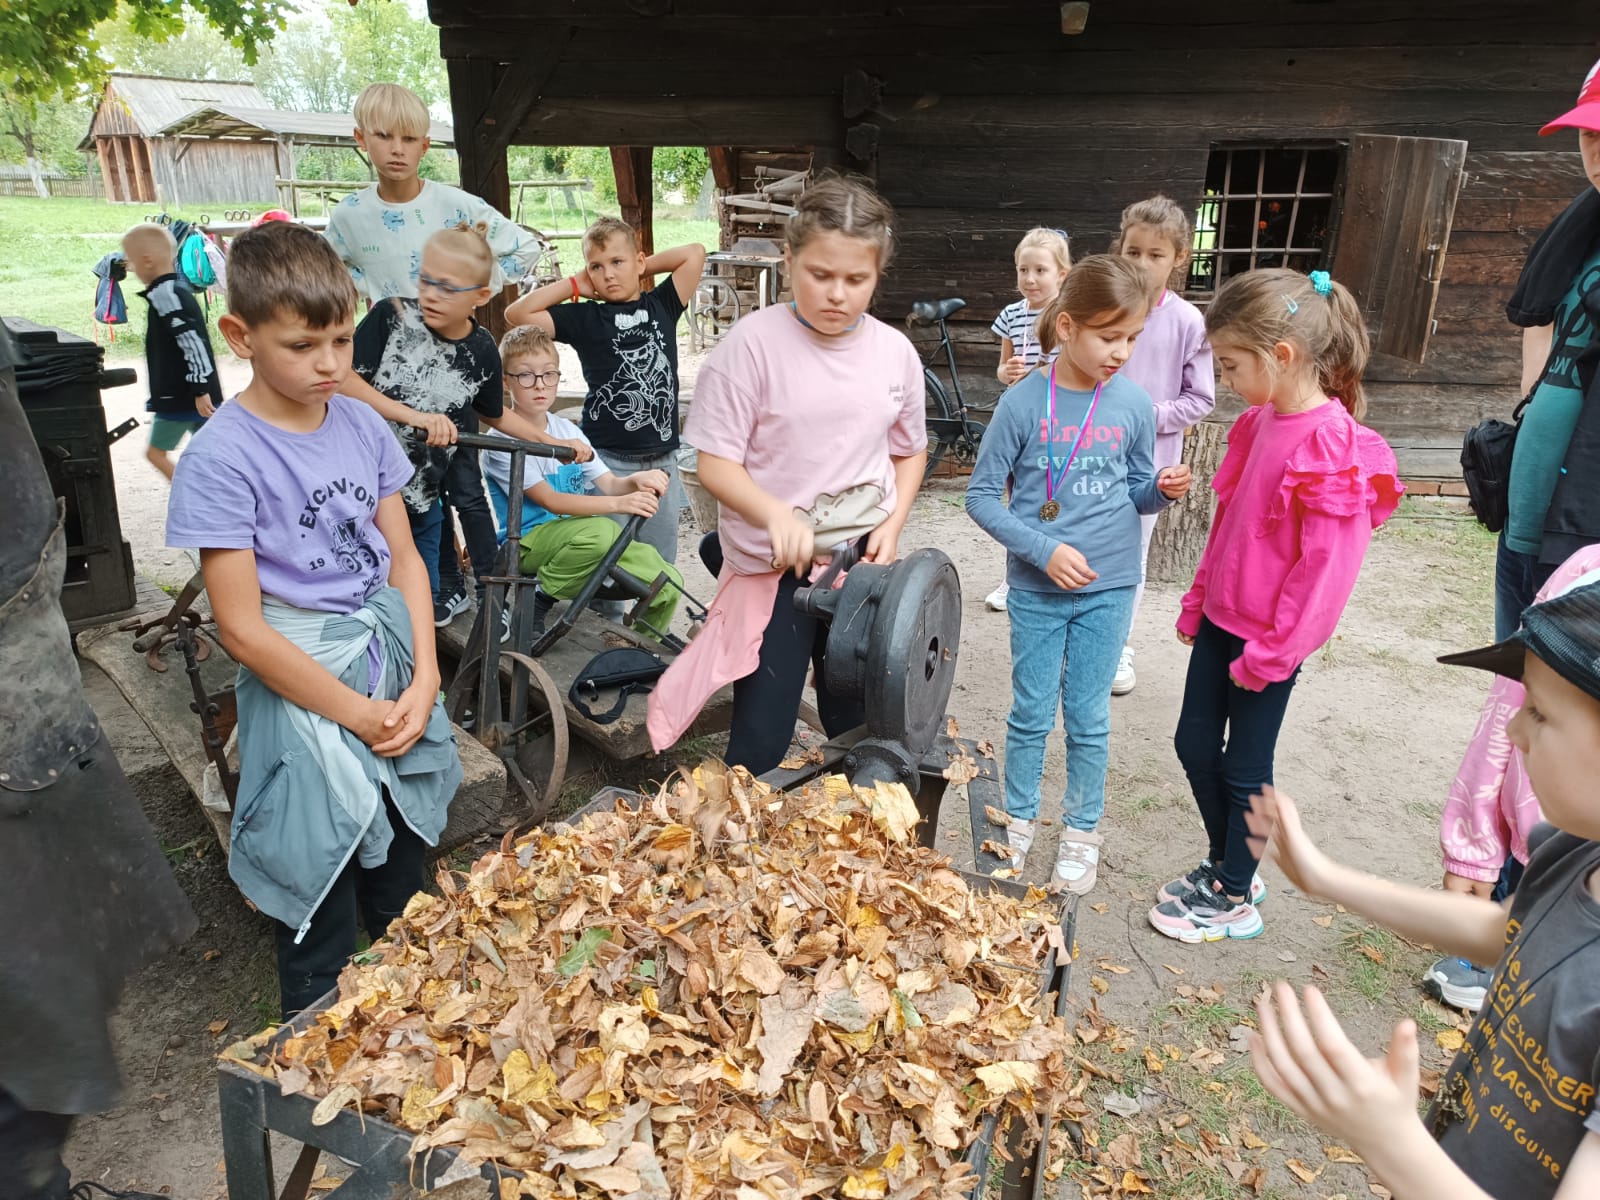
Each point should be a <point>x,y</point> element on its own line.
<point>1299,492</point>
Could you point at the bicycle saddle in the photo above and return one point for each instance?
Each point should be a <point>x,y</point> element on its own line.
<point>937,310</point>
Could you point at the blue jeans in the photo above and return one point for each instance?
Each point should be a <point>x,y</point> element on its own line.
<point>1517,580</point>
<point>1224,775</point>
<point>425,533</point>
<point>1065,647</point>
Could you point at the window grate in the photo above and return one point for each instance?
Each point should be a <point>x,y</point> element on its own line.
<point>1264,206</point>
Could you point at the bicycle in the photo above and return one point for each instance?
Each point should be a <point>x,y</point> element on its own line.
<point>951,431</point>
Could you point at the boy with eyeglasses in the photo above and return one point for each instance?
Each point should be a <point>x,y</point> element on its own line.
<point>429,367</point>
<point>565,531</point>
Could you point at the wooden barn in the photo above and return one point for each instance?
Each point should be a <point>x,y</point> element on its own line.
<point>1396,144</point>
<point>140,163</point>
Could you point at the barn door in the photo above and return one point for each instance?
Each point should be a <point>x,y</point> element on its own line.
<point>1399,200</point>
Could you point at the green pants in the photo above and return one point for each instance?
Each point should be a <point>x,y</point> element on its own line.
<point>563,553</point>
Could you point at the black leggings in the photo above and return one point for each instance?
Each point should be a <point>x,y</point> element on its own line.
<point>766,702</point>
<point>30,1152</point>
<point>1224,775</point>
<point>463,492</point>
<point>368,897</point>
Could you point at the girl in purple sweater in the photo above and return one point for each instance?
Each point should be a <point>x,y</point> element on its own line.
<point>1299,492</point>
<point>1172,360</point>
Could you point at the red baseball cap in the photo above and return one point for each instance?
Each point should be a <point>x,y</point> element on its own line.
<point>1587,113</point>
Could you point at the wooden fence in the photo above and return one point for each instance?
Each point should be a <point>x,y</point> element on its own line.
<point>57,185</point>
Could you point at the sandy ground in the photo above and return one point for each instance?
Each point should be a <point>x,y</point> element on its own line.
<point>1373,735</point>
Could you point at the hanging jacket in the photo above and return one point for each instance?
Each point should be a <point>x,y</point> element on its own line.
<point>109,306</point>
<point>310,791</point>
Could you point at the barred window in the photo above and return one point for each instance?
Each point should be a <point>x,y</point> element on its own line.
<point>1265,206</point>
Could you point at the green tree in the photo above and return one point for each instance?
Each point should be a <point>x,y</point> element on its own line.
<point>50,46</point>
<point>43,134</point>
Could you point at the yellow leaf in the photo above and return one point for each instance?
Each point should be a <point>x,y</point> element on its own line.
<point>1004,1077</point>
<point>1342,1154</point>
<point>1300,1171</point>
<point>1325,922</point>
<point>893,810</point>
<point>1133,1182</point>
<point>1450,1039</point>
<point>1102,907</point>
<point>622,1027</point>
<point>871,1184</point>
<point>1152,1060</point>
<point>1099,985</point>
<point>216,1027</point>
<point>333,1103</point>
<point>997,816</point>
<point>1114,969</point>
<point>414,1113</point>
<point>1173,969</point>
<point>1250,1140</point>
<point>524,1084</point>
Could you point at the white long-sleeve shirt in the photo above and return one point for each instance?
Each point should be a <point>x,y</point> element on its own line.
<point>381,243</point>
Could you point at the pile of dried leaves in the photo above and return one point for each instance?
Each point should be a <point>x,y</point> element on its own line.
<point>732,992</point>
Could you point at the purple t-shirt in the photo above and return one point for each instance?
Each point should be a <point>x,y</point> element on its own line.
<point>304,502</point>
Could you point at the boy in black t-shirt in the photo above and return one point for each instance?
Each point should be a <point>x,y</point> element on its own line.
<point>1514,1117</point>
<point>628,345</point>
<point>426,364</point>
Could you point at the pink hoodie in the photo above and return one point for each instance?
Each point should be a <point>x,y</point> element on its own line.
<point>1491,808</point>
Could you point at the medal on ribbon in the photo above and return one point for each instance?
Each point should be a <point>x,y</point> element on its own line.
<point>1051,508</point>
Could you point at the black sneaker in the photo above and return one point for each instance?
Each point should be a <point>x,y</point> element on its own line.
<point>445,609</point>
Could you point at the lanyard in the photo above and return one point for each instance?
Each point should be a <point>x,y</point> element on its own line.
<point>850,328</point>
<point>1052,485</point>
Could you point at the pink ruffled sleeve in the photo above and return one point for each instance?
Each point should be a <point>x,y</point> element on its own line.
<point>1341,483</point>
<point>1225,482</point>
<point>1475,833</point>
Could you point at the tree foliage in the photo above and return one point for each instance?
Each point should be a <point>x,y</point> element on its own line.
<point>50,47</point>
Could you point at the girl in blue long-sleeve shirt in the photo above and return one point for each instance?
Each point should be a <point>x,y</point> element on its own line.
<point>1076,440</point>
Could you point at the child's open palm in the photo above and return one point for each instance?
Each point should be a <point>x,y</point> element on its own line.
<point>1276,832</point>
<point>1308,1062</point>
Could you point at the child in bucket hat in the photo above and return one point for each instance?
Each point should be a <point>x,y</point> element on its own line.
<point>1514,1116</point>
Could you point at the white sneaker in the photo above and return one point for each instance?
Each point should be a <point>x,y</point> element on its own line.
<point>1019,835</point>
<point>995,601</point>
<point>1077,860</point>
<point>1123,683</point>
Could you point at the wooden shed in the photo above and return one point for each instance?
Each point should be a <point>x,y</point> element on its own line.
<point>142,164</point>
<point>1396,145</point>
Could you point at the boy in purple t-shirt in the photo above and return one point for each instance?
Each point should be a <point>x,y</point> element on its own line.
<point>292,496</point>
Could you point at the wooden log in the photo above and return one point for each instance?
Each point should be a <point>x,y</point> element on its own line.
<point>1182,528</point>
<point>636,192</point>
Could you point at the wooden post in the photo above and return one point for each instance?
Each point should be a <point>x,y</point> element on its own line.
<point>472,88</point>
<point>724,167</point>
<point>636,191</point>
<point>1182,529</point>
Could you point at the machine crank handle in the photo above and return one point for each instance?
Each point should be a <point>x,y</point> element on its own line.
<point>817,599</point>
<point>479,441</point>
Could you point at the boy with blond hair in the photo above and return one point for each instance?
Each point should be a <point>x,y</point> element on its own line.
<point>379,230</point>
<point>292,495</point>
<point>180,368</point>
<point>628,345</point>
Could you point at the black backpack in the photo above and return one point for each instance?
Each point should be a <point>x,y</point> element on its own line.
<point>1486,467</point>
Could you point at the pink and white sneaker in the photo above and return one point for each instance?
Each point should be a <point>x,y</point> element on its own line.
<point>1199,918</point>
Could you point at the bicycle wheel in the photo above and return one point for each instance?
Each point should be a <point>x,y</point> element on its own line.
<point>944,422</point>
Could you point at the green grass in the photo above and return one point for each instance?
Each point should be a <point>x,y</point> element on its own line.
<point>48,249</point>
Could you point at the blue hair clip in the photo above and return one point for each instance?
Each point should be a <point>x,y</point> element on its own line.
<point>1290,303</point>
<point>1321,282</point>
<point>1063,234</point>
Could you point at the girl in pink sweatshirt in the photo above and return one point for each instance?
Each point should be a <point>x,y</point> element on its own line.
<point>1299,492</point>
<point>1172,360</point>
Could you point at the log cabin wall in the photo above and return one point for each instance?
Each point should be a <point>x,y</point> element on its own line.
<point>982,118</point>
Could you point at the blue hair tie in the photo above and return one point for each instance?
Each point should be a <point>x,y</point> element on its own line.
<point>1321,282</point>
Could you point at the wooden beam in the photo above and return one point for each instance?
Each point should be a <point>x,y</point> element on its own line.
<point>683,121</point>
<point>724,167</point>
<point>514,96</point>
<point>472,91</point>
<point>636,191</point>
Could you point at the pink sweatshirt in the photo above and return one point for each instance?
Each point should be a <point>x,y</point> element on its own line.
<point>1298,497</point>
<point>1491,808</point>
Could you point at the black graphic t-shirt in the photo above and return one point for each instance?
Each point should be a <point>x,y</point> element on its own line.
<point>1520,1095</point>
<point>629,354</point>
<point>398,354</point>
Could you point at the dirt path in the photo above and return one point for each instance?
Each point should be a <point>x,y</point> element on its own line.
<point>1372,738</point>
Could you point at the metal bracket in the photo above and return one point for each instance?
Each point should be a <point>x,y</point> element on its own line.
<point>115,435</point>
